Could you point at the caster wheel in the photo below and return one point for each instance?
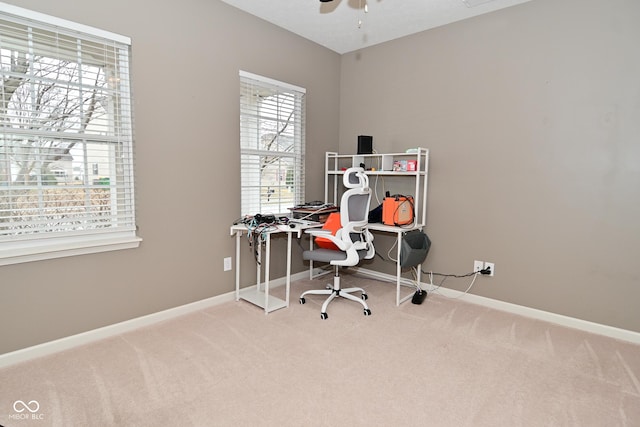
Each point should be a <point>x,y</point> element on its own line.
<point>323,316</point>
<point>302,301</point>
<point>365,297</point>
<point>367,312</point>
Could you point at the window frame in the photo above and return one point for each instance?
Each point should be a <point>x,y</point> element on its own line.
<point>295,172</point>
<point>44,244</point>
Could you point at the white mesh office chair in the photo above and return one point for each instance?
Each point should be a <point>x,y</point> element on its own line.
<point>353,240</point>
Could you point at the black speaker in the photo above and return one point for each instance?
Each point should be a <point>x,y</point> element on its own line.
<point>365,144</point>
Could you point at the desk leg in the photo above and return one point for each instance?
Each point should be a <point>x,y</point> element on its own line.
<point>238,265</point>
<point>398,269</point>
<point>419,280</point>
<point>267,261</point>
<point>288,278</point>
<point>311,261</point>
<point>258,250</point>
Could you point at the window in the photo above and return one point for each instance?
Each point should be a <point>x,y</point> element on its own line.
<point>66,160</point>
<point>272,120</point>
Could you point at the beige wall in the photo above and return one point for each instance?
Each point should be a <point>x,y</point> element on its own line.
<point>532,118</point>
<point>186,57</point>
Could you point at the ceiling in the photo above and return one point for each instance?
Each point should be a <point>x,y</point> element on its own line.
<point>343,26</point>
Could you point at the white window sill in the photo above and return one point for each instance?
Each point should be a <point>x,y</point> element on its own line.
<point>42,249</point>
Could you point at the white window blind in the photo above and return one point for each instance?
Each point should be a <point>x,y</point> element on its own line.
<point>66,136</point>
<point>272,137</point>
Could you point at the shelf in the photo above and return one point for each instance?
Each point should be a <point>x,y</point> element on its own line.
<point>336,164</point>
<point>380,164</point>
<point>254,296</point>
<point>376,226</point>
<point>376,172</point>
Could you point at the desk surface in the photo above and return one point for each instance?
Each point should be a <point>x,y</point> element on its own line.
<point>298,226</point>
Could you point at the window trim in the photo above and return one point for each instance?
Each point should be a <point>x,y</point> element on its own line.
<point>42,247</point>
<point>62,23</point>
<point>269,81</point>
<point>58,247</point>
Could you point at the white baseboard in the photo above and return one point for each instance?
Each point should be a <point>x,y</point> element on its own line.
<point>66,343</point>
<point>559,319</point>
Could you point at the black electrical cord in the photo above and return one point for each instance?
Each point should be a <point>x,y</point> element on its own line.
<point>446,276</point>
<point>450,275</point>
<point>257,227</point>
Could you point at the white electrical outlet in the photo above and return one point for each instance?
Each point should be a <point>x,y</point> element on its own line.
<point>490,266</point>
<point>477,266</point>
<point>227,263</point>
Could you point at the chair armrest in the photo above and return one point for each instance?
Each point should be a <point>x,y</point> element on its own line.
<point>352,258</point>
<point>335,239</point>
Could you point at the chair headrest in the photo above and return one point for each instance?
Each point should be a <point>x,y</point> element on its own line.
<point>355,178</point>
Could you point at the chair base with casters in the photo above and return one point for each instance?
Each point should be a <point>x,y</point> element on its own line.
<point>336,291</point>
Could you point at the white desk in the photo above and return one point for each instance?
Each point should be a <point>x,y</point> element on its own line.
<point>259,294</point>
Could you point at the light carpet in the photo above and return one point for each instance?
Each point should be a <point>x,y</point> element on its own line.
<point>442,363</point>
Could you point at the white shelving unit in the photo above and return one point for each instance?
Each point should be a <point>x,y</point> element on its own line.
<point>411,168</point>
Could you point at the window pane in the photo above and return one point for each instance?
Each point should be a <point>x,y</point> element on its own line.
<point>272,147</point>
<point>268,183</point>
